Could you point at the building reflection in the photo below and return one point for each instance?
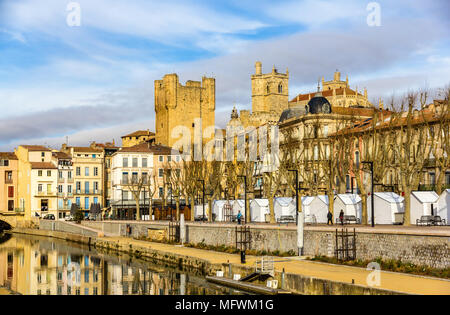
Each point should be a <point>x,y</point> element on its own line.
<point>34,266</point>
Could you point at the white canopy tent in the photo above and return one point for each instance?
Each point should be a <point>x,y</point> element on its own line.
<point>199,211</point>
<point>238,205</point>
<point>284,206</point>
<point>444,205</point>
<point>258,210</point>
<point>350,203</point>
<point>389,208</point>
<point>315,208</point>
<point>219,209</point>
<point>423,203</point>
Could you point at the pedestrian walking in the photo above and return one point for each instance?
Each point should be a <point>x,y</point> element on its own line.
<point>330,218</point>
<point>341,217</point>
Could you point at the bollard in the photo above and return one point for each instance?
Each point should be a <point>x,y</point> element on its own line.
<point>242,256</point>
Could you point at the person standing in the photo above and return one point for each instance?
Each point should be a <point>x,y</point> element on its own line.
<point>239,217</point>
<point>341,217</point>
<point>330,218</point>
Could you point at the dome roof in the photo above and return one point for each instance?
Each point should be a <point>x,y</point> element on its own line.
<point>318,104</point>
<point>292,112</point>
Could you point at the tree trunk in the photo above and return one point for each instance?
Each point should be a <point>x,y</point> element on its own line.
<point>138,211</point>
<point>192,207</point>
<point>407,217</point>
<point>210,209</point>
<point>331,202</point>
<point>247,212</point>
<point>177,202</point>
<point>272,211</point>
<point>364,209</point>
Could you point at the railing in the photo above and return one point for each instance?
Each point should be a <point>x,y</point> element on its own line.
<point>8,181</point>
<point>88,192</point>
<point>65,195</point>
<point>265,265</point>
<point>66,208</point>
<point>45,193</point>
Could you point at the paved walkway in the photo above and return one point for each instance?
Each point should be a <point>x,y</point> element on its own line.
<point>391,281</point>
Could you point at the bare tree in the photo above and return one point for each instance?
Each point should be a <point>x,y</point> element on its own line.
<point>135,185</point>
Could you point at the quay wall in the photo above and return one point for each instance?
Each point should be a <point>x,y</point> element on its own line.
<point>294,283</point>
<point>424,250</point>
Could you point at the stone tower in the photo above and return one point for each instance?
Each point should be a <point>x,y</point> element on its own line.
<point>178,105</point>
<point>270,92</point>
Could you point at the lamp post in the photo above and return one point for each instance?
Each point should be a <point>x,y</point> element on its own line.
<point>203,196</point>
<point>372,199</point>
<point>245,196</point>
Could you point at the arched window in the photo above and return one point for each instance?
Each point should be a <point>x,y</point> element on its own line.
<point>268,89</point>
<point>280,88</point>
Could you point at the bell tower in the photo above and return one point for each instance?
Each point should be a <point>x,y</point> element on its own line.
<point>270,92</point>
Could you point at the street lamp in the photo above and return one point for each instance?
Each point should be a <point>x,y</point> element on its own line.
<point>245,196</point>
<point>372,196</point>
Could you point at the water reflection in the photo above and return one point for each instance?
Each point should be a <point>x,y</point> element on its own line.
<point>35,266</point>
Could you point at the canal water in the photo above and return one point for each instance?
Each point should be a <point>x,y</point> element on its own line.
<point>34,265</point>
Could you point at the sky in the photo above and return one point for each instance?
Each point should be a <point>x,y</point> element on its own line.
<point>95,81</point>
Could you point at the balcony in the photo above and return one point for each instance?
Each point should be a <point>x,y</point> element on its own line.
<point>65,195</point>
<point>88,192</point>
<point>45,194</point>
<point>8,181</point>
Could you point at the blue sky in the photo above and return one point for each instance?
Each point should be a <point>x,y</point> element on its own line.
<point>95,81</point>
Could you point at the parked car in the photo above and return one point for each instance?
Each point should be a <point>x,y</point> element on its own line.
<point>49,217</point>
<point>69,218</point>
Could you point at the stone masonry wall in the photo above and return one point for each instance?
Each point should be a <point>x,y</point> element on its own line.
<point>430,251</point>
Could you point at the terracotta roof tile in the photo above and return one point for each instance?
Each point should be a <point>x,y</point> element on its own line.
<point>86,149</point>
<point>8,155</point>
<point>326,93</point>
<point>35,147</point>
<point>61,155</point>
<point>43,165</point>
<point>140,133</point>
<point>150,148</point>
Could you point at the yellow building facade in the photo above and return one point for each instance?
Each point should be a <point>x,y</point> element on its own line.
<point>88,178</point>
<point>37,181</point>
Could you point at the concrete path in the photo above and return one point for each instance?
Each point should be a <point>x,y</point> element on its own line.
<point>389,280</point>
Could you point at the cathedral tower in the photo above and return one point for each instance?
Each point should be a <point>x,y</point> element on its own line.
<point>270,92</point>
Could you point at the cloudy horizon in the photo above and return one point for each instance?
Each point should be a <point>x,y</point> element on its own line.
<point>94,82</point>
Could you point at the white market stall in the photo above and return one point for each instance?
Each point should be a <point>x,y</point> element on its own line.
<point>423,203</point>
<point>389,208</point>
<point>315,208</point>
<point>284,207</point>
<point>258,210</point>
<point>238,205</point>
<point>444,206</point>
<point>198,211</point>
<point>222,210</point>
<point>350,204</point>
